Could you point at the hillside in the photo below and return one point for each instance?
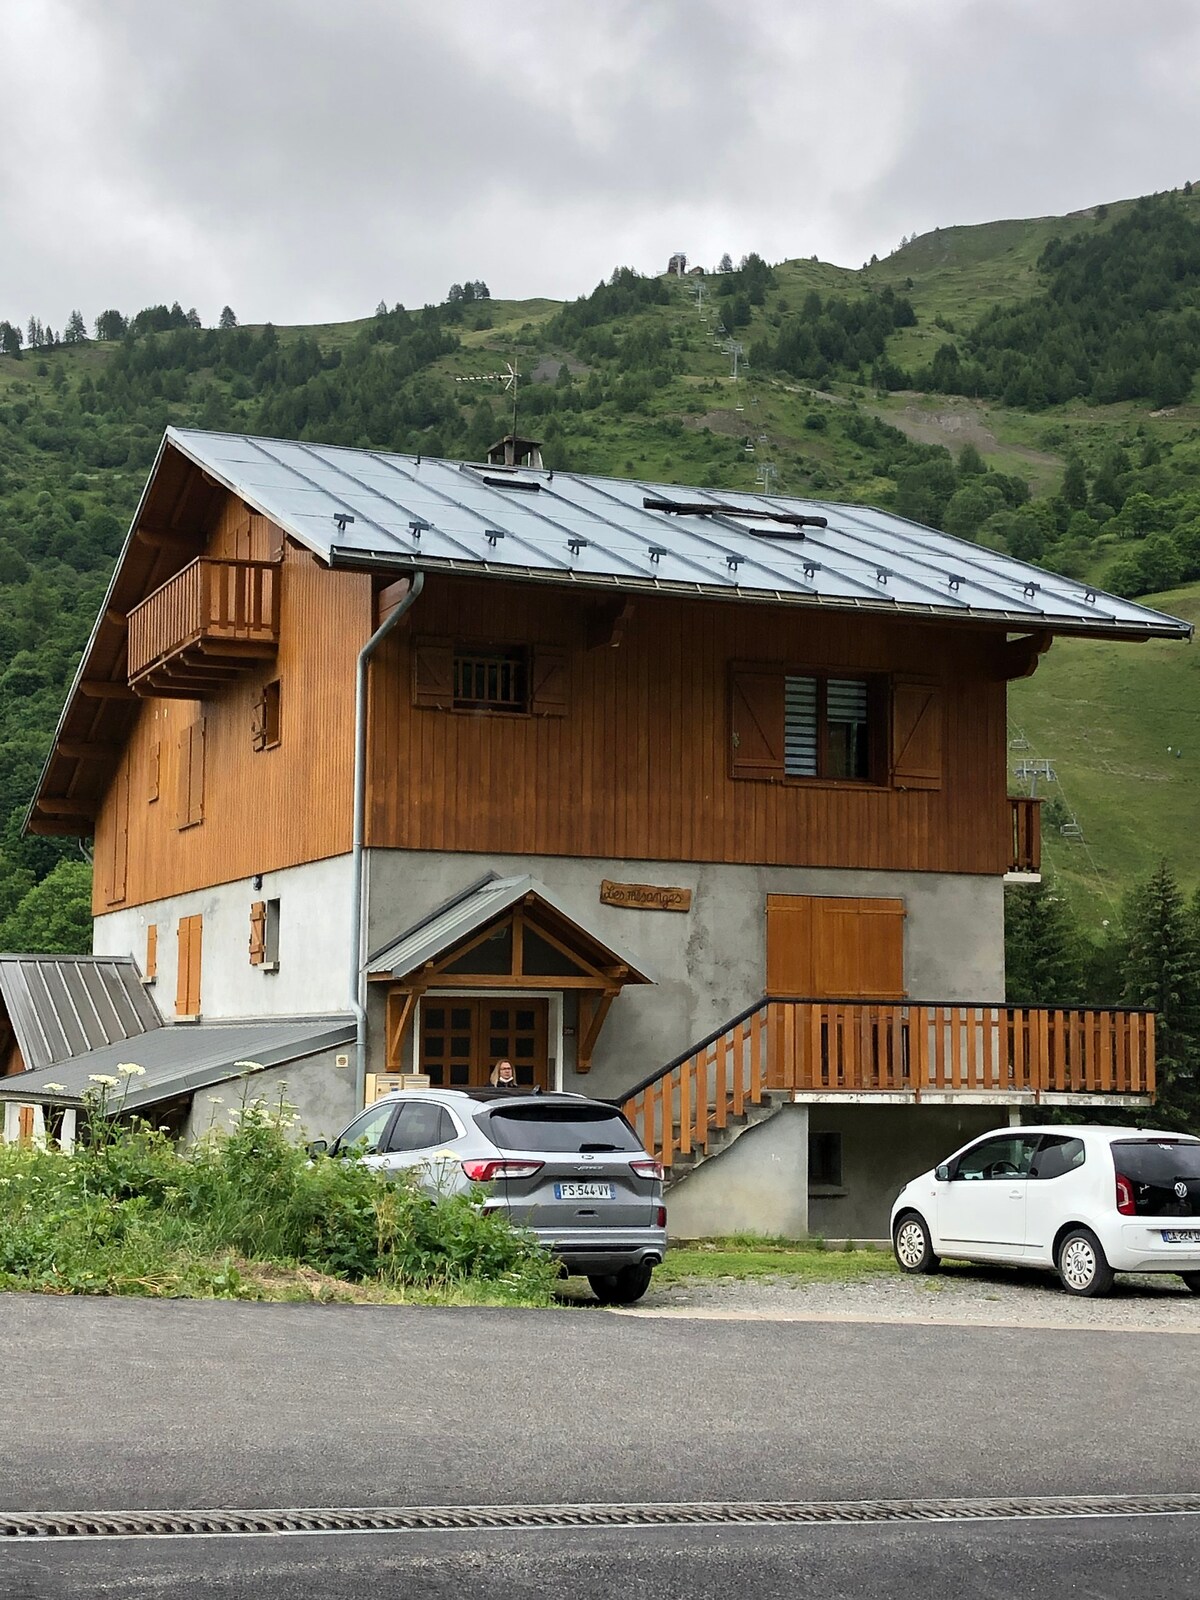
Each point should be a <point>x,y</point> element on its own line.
<point>926,382</point>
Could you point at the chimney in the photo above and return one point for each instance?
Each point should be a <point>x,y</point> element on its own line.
<point>513,451</point>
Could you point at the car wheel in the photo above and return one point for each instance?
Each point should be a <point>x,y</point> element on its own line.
<point>621,1288</point>
<point>1192,1279</point>
<point>912,1245</point>
<point>1082,1265</point>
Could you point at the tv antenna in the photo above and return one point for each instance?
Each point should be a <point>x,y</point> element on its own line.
<point>508,378</point>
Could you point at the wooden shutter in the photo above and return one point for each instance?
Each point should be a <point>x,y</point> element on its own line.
<point>548,683</point>
<point>834,947</point>
<point>187,978</point>
<point>756,723</point>
<point>433,673</point>
<point>119,858</point>
<point>258,933</point>
<point>154,770</point>
<point>258,723</point>
<point>189,799</point>
<point>151,951</point>
<point>918,716</point>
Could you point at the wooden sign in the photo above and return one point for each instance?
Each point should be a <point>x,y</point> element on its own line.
<point>644,896</point>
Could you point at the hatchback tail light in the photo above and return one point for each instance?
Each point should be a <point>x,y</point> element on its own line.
<point>484,1171</point>
<point>1125,1201</point>
<point>645,1167</point>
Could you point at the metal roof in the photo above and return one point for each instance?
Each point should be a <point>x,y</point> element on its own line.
<point>368,508</point>
<point>181,1058</point>
<point>61,1006</point>
<point>474,909</point>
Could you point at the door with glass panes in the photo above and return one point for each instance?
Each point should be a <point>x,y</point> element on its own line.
<point>462,1039</point>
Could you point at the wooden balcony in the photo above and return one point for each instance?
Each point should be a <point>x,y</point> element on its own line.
<point>1025,856</point>
<point>211,622</point>
<point>897,1053</point>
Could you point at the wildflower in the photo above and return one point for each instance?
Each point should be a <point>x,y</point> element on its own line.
<point>103,1079</point>
<point>55,1088</point>
<point>215,1100</point>
<point>250,1066</point>
<point>130,1069</point>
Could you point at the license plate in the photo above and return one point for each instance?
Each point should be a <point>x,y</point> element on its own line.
<point>1181,1235</point>
<point>583,1191</point>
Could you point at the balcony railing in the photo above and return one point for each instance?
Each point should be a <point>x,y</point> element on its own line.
<point>212,621</point>
<point>1025,816</point>
<point>819,1048</point>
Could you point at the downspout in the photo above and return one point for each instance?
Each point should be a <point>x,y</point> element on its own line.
<point>357,953</point>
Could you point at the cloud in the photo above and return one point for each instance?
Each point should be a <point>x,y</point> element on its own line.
<point>301,161</point>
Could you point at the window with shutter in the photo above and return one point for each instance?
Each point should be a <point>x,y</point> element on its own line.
<point>119,856</point>
<point>433,673</point>
<point>757,724</point>
<point>189,804</point>
<point>918,719</point>
<point>835,947</point>
<point>151,971</point>
<point>187,975</point>
<point>266,724</point>
<point>153,771</point>
<point>805,725</point>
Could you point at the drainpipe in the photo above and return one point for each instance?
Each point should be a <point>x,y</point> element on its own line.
<point>357,952</point>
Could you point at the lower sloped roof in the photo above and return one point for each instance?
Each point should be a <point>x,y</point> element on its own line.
<point>61,1006</point>
<point>180,1059</point>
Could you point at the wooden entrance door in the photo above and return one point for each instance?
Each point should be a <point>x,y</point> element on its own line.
<point>842,948</point>
<point>462,1039</point>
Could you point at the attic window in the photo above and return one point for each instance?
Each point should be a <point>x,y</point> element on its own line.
<point>491,680</point>
<point>709,508</point>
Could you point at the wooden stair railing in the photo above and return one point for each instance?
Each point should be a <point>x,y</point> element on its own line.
<point>835,1047</point>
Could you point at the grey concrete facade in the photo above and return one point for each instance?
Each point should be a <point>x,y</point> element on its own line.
<point>314,943</point>
<point>319,1092</point>
<point>761,1182</point>
<point>708,963</point>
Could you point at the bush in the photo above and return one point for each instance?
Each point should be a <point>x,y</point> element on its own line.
<point>128,1213</point>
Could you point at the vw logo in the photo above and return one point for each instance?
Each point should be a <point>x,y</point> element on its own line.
<point>1181,1190</point>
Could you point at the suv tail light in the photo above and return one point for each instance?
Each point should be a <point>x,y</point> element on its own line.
<point>646,1167</point>
<point>660,1218</point>
<point>1125,1203</point>
<point>484,1171</point>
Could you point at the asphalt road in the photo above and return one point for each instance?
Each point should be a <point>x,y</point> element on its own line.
<point>122,1405</point>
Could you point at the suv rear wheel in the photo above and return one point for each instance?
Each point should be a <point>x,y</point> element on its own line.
<point>1082,1265</point>
<point>912,1245</point>
<point>621,1288</point>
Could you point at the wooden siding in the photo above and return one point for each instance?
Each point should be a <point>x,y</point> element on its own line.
<point>640,766</point>
<point>262,809</point>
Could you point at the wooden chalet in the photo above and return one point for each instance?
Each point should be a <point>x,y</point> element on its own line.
<point>694,799</point>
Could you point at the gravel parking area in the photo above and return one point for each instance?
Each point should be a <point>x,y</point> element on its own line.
<point>957,1295</point>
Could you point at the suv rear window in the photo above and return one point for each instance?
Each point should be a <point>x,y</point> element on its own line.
<point>1158,1162</point>
<point>558,1128</point>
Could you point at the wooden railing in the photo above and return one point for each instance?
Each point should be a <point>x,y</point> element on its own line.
<point>834,1047</point>
<point>1026,851</point>
<point>212,599</point>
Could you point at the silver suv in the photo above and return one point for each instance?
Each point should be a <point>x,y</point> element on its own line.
<point>570,1169</point>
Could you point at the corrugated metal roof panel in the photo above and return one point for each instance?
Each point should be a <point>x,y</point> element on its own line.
<point>60,1006</point>
<point>182,1059</point>
<point>598,532</point>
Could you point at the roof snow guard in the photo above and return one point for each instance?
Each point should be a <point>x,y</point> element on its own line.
<point>364,508</point>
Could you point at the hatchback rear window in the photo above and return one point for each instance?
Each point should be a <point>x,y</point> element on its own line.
<point>558,1128</point>
<point>1156,1161</point>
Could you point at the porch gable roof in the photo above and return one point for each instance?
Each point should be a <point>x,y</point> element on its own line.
<point>61,1006</point>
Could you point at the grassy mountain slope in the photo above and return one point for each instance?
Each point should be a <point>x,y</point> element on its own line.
<point>637,380</point>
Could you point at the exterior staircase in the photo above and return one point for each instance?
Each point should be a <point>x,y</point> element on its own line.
<point>721,1138</point>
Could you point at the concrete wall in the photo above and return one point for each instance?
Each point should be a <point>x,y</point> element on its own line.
<point>760,1183</point>
<point>708,963</point>
<point>321,1092</point>
<point>314,943</point>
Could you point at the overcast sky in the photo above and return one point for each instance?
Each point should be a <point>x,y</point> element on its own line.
<point>301,160</point>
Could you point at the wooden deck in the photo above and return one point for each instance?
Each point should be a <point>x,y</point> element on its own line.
<point>214,620</point>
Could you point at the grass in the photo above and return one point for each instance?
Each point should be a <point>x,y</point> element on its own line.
<point>802,1261</point>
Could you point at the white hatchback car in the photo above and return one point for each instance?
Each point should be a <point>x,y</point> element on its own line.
<point>1083,1201</point>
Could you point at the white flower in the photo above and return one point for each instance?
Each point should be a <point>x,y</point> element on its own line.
<point>215,1100</point>
<point>250,1066</point>
<point>130,1069</point>
<point>55,1088</point>
<point>103,1079</point>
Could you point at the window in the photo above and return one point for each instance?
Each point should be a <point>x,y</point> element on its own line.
<point>264,935</point>
<point>366,1131</point>
<point>266,727</point>
<point>522,680</point>
<point>151,971</point>
<point>187,974</point>
<point>1007,1156</point>
<point>824,1159</point>
<point>420,1126</point>
<point>1057,1154</point>
<point>561,1129</point>
<point>822,726</point>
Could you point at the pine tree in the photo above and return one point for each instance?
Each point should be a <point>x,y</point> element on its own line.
<point>228,320</point>
<point>1162,971</point>
<point>1043,947</point>
<point>76,332</point>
